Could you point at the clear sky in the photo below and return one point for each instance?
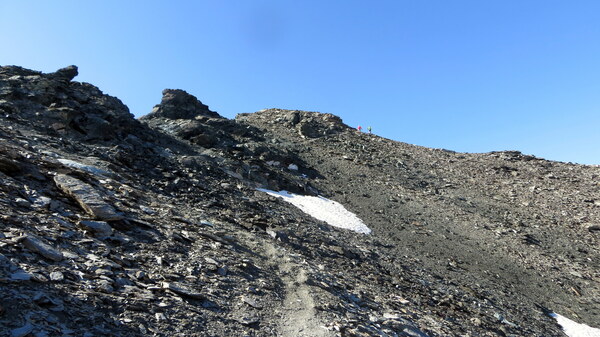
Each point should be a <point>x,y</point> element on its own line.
<point>469,76</point>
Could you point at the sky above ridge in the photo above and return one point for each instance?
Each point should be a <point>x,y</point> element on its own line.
<point>468,76</point>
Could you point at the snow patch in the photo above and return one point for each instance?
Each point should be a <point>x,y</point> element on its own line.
<point>335,214</point>
<point>574,329</point>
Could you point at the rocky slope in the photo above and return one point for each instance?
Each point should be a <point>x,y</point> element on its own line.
<point>115,226</point>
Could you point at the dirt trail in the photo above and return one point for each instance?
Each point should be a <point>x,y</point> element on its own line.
<point>296,314</point>
<point>298,310</point>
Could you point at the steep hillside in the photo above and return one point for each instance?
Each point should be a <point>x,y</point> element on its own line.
<point>114,226</point>
<point>515,224</point>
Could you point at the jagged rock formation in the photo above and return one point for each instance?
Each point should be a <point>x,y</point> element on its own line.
<point>60,106</point>
<point>241,149</point>
<point>114,226</point>
<point>307,124</point>
<point>178,104</point>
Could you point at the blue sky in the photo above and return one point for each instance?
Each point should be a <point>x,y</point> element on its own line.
<point>469,76</point>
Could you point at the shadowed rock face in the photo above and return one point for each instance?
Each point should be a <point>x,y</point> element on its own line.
<point>132,228</point>
<point>54,102</point>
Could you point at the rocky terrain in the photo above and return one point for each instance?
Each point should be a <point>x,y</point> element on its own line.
<point>113,226</point>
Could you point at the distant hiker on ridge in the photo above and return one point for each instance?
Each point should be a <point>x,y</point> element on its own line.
<point>359,128</point>
<point>369,128</point>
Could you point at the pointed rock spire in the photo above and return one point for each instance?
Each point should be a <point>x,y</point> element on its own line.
<point>178,104</point>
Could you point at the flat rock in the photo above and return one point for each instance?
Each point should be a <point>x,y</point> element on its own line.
<point>88,198</point>
<point>594,228</point>
<point>248,320</point>
<point>251,302</point>
<point>37,245</point>
<point>22,331</point>
<point>183,291</point>
<point>99,229</point>
<point>84,167</point>
<point>20,276</point>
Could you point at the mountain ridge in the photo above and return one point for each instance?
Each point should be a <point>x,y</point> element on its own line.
<point>462,244</point>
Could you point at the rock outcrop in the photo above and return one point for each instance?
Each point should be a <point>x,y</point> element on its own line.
<point>307,124</point>
<point>55,103</point>
<point>178,104</point>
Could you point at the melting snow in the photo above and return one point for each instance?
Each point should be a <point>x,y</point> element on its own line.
<point>574,329</point>
<point>323,209</point>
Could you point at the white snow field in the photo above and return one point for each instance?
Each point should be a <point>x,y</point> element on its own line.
<point>574,329</point>
<point>323,209</point>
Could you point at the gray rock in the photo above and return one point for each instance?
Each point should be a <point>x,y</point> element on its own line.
<point>251,302</point>
<point>210,260</point>
<point>22,202</point>
<point>102,271</point>
<point>22,331</point>
<point>41,201</point>
<point>105,286</point>
<point>183,291</point>
<point>292,117</point>
<point>594,228</point>
<point>37,245</point>
<point>503,320</point>
<point>20,276</point>
<point>87,197</point>
<point>147,210</point>
<point>223,271</point>
<point>248,320</point>
<point>100,229</point>
<point>278,235</point>
<point>413,332</point>
<point>66,73</point>
<point>178,104</point>
<point>57,276</point>
<point>122,282</point>
<point>85,167</point>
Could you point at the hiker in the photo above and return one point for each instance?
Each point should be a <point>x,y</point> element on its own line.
<point>359,128</point>
<point>369,128</point>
